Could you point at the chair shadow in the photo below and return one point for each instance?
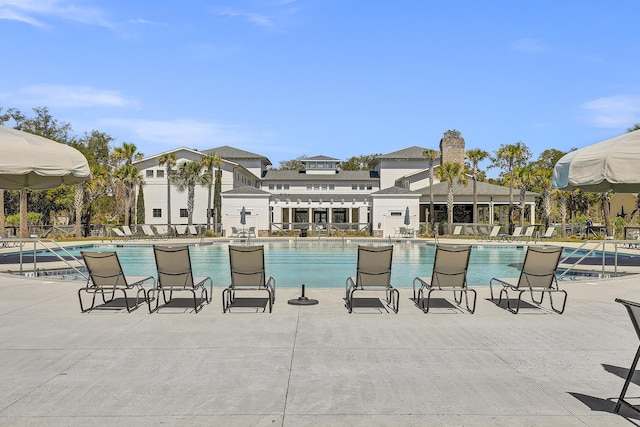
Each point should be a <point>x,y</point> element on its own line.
<point>374,304</point>
<point>181,303</point>
<point>598,404</point>
<point>250,302</point>
<point>622,373</point>
<point>439,303</point>
<point>513,302</point>
<point>119,304</point>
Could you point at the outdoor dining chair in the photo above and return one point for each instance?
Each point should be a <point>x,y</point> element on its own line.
<point>449,275</point>
<point>173,264</point>
<point>107,279</point>
<point>633,308</point>
<point>538,275</point>
<point>373,273</point>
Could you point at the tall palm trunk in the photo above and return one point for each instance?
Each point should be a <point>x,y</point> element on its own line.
<point>2,215</point>
<point>605,211</point>
<point>563,214</point>
<point>77,204</point>
<point>191,197</point>
<point>450,207</point>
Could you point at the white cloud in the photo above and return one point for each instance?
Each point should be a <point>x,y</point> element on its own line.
<point>613,111</point>
<point>184,133</point>
<point>528,46</point>
<point>34,12</point>
<point>70,96</point>
<point>254,18</point>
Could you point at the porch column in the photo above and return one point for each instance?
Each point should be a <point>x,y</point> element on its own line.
<point>491,213</point>
<point>532,213</point>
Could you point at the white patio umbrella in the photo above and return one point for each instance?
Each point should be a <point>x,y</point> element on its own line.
<point>608,165</point>
<point>29,161</point>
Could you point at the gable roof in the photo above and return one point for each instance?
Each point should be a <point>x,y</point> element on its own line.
<point>397,191</point>
<point>319,158</point>
<point>247,190</point>
<point>227,152</point>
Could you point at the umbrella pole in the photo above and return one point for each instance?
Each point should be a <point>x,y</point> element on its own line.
<point>23,213</point>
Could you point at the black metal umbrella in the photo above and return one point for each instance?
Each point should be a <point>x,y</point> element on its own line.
<point>243,216</point>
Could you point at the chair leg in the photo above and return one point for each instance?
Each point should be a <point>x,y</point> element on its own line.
<point>564,302</point>
<point>632,371</point>
<point>475,297</point>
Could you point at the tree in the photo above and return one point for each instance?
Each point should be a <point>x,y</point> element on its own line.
<point>431,156</point>
<point>129,176</point>
<point>140,212</point>
<point>358,163</point>
<point>292,165</point>
<point>635,127</point>
<point>451,172</point>
<point>208,162</point>
<point>217,197</point>
<point>169,161</point>
<point>543,178</point>
<point>524,177</point>
<point>186,177</point>
<point>77,204</point>
<point>475,155</point>
<point>507,158</point>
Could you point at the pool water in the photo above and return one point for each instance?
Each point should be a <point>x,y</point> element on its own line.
<point>324,265</point>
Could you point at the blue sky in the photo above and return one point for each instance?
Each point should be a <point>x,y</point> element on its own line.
<point>286,78</point>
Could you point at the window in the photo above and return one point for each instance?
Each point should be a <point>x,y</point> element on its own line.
<point>395,213</point>
<point>316,186</point>
<point>184,213</point>
<point>312,165</point>
<point>286,186</point>
<point>210,213</point>
<point>362,186</point>
<point>157,213</point>
<point>271,186</point>
<point>278,186</point>
<point>159,173</point>
<point>324,187</point>
<point>369,187</point>
<point>149,174</point>
<point>309,186</point>
<point>332,186</point>
<point>354,186</point>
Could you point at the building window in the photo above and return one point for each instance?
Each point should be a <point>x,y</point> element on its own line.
<point>395,213</point>
<point>324,187</point>
<point>157,213</point>
<point>210,213</point>
<point>271,186</point>
<point>362,186</point>
<point>309,187</point>
<point>369,187</point>
<point>286,186</point>
<point>278,186</point>
<point>184,213</point>
<point>159,173</point>
<point>332,186</point>
<point>354,186</point>
<point>316,186</point>
<point>149,174</point>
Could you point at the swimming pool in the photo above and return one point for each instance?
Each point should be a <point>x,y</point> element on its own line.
<point>324,264</point>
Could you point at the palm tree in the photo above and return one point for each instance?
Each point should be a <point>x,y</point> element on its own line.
<point>524,176</point>
<point>507,158</point>
<point>169,161</point>
<point>78,199</point>
<point>129,176</point>
<point>475,156</point>
<point>450,172</point>
<point>186,178</point>
<point>208,162</point>
<point>543,178</point>
<point>2,214</point>
<point>126,153</point>
<point>431,156</point>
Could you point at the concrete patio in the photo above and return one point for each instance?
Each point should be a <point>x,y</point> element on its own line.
<point>314,365</point>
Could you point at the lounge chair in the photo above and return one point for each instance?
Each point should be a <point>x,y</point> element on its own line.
<point>548,234</point>
<point>163,231</point>
<point>234,232</point>
<point>148,232</point>
<point>528,233</point>
<point>373,273</point>
<point>449,275</point>
<point>517,233</point>
<point>633,308</point>
<point>193,230</point>
<point>538,275</point>
<point>106,278</point>
<point>251,232</point>
<point>495,233</point>
<point>175,275</point>
<point>127,232</point>
<point>181,230</point>
<point>119,233</point>
<point>247,274</point>
<point>457,230</point>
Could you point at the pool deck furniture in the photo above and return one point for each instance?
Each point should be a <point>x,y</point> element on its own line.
<point>517,234</point>
<point>173,265</point>
<point>538,276</point>
<point>107,280</point>
<point>373,273</point>
<point>633,308</point>
<point>449,275</point>
<point>248,274</point>
<point>315,365</point>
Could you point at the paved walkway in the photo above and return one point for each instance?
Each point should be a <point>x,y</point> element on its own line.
<point>315,365</point>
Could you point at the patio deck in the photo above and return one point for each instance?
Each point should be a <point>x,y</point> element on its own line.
<point>314,365</point>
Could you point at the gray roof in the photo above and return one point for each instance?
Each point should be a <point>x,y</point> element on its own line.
<point>483,188</point>
<point>398,191</point>
<point>230,153</point>
<point>247,190</point>
<point>319,158</point>
<point>410,153</point>
<point>325,197</point>
<point>293,175</point>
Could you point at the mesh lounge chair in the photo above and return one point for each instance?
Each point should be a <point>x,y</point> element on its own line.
<point>548,234</point>
<point>449,275</point>
<point>457,231</point>
<point>373,273</point>
<point>106,278</point>
<point>528,233</point>
<point>248,274</point>
<point>181,230</point>
<point>163,231</point>
<point>633,308</point>
<point>175,275</point>
<point>494,234</point>
<point>119,233</point>
<point>517,234</point>
<point>192,230</point>
<point>538,275</point>
<point>148,231</point>
<point>128,232</point>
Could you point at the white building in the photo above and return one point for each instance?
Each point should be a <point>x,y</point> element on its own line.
<point>322,197</point>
